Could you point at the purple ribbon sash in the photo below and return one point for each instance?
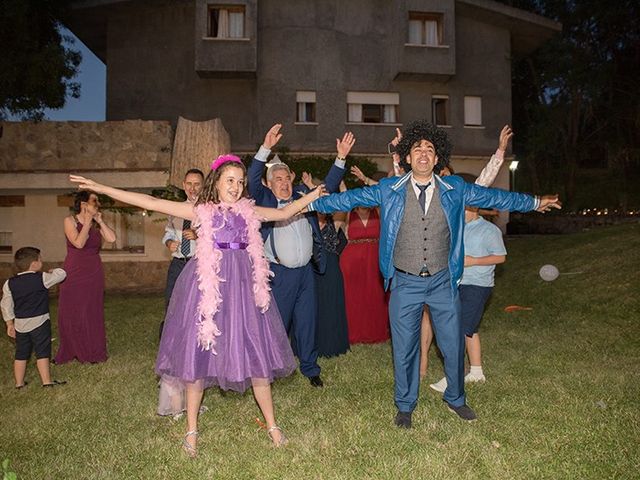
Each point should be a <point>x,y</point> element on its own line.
<point>232,245</point>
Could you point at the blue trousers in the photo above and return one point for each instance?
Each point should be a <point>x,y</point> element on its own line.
<point>175,269</point>
<point>295,292</point>
<point>409,294</point>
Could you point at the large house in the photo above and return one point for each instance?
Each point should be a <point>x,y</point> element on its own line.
<point>320,67</point>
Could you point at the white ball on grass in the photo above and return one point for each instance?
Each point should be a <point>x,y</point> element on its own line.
<point>549,273</point>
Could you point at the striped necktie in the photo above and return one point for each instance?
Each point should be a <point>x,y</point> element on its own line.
<point>185,245</point>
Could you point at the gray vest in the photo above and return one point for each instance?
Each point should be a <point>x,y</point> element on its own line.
<point>423,240</point>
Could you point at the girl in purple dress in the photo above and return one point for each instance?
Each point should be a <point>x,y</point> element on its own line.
<point>81,306</point>
<point>222,325</point>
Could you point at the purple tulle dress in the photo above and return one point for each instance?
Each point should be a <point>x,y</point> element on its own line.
<point>252,344</point>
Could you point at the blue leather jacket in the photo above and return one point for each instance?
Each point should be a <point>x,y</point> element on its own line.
<point>455,194</point>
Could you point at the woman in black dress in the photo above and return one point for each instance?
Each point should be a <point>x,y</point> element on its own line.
<point>332,336</point>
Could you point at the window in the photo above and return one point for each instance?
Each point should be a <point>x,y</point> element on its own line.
<point>6,242</point>
<point>472,111</point>
<point>129,229</point>
<point>440,109</point>
<point>306,107</point>
<point>226,21</point>
<point>7,219</point>
<point>372,107</point>
<point>425,29</point>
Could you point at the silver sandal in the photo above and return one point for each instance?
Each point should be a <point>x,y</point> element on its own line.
<point>186,446</point>
<point>283,439</point>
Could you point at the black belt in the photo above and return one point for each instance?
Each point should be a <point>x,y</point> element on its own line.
<point>183,259</point>
<point>421,274</point>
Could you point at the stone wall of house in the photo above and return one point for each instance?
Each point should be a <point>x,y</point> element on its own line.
<point>138,277</point>
<point>129,277</point>
<point>77,146</point>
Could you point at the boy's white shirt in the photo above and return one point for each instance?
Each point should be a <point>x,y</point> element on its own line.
<point>24,325</point>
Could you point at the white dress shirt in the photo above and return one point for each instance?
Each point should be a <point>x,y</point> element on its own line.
<point>173,231</point>
<point>428,192</point>
<point>293,239</point>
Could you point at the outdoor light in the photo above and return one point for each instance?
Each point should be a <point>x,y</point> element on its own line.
<point>513,166</point>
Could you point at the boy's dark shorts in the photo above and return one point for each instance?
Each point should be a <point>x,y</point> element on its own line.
<point>472,302</point>
<point>38,339</point>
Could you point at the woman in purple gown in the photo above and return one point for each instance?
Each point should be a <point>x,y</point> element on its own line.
<point>222,325</point>
<point>81,306</point>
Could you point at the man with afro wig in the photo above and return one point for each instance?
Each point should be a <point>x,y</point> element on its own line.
<point>421,255</point>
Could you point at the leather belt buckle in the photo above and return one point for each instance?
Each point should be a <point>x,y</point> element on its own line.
<point>422,274</point>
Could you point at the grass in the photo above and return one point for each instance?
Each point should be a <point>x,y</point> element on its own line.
<point>560,402</point>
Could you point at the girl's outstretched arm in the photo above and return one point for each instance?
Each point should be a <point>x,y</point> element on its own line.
<point>177,209</point>
<point>279,214</point>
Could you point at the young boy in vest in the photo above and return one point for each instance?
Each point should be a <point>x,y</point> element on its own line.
<point>483,250</point>
<point>25,309</point>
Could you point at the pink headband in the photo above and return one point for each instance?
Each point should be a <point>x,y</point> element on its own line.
<point>224,158</point>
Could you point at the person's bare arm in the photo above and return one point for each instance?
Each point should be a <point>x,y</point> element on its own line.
<point>279,214</point>
<point>77,238</point>
<point>470,261</point>
<point>362,177</point>
<point>177,209</point>
<point>547,202</point>
<point>105,230</point>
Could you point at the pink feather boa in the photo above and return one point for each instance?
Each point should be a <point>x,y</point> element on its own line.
<point>209,258</point>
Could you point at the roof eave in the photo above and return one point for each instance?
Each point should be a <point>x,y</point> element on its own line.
<point>528,30</point>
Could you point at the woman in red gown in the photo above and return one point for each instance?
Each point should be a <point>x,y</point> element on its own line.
<point>81,304</point>
<point>366,301</point>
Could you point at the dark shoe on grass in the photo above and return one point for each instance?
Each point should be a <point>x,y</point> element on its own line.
<point>403,419</point>
<point>54,383</point>
<point>24,384</point>
<point>316,381</point>
<point>463,411</point>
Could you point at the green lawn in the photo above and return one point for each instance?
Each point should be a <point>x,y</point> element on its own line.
<point>561,398</point>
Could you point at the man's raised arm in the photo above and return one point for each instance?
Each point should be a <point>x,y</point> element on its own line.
<point>337,170</point>
<point>256,189</point>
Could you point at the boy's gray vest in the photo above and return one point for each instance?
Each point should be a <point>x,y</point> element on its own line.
<point>423,240</point>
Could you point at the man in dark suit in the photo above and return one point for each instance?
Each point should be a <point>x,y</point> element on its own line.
<point>294,247</point>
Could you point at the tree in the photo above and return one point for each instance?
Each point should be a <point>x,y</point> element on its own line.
<point>577,98</point>
<point>37,63</point>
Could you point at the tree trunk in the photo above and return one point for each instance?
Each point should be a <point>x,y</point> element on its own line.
<point>197,145</point>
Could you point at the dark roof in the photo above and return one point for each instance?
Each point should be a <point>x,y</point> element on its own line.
<point>528,30</point>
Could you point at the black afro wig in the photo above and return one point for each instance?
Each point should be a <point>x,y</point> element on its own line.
<point>423,130</point>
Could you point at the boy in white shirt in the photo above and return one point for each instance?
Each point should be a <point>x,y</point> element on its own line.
<point>25,309</point>
<point>483,250</point>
